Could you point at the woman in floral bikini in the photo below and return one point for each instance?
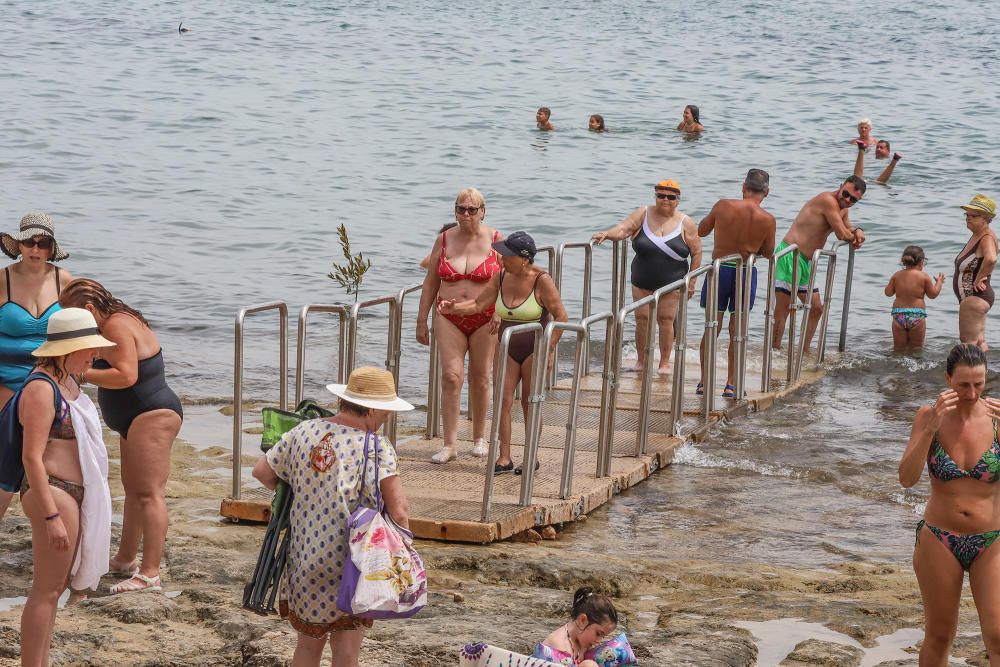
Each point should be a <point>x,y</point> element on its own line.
<point>962,517</point>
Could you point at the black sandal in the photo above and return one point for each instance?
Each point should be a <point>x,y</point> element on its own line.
<point>518,470</point>
<point>501,468</point>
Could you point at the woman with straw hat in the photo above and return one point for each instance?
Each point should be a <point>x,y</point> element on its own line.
<point>320,459</point>
<point>30,288</point>
<point>973,268</point>
<point>65,491</point>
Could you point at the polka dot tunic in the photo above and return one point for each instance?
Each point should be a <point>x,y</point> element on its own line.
<point>321,462</point>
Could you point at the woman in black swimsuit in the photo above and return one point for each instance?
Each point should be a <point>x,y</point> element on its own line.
<point>137,403</point>
<point>973,267</point>
<point>663,239</point>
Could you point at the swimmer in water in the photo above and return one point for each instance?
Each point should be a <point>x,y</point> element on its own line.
<point>596,123</point>
<point>542,119</point>
<point>691,121</point>
<point>909,312</point>
<point>881,153</point>
<point>865,133</point>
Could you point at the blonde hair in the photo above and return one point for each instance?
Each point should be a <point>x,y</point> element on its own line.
<point>475,195</point>
<point>864,121</point>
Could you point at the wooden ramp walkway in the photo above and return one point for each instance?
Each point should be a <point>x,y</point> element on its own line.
<point>446,500</point>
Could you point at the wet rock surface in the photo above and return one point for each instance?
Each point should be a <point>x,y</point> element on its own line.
<point>824,654</point>
<point>676,612</point>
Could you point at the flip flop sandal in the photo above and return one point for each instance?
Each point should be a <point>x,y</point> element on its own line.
<point>129,569</point>
<point>519,470</point>
<point>699,390</point>
<point>729,392</point>
<point>501,468</point>
<point>150,584</point>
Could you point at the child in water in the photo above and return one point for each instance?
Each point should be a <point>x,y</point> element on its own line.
<point>596,123</point>
<point>589,639</point>
<point>909,312</point>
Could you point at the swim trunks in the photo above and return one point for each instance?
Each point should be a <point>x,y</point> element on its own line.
<point>783,271</point>
<point>727,288</point>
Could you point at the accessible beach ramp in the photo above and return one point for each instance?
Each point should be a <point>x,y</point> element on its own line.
<point>596,428</point>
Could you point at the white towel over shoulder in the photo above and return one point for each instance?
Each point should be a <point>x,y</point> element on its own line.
<point>95,514</point>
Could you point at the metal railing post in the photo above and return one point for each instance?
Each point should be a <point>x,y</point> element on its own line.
<point>241,315</point>
<point>609,389</point>
<point>396,336</point>
<point>533,423</point>
<point>680,346</point>
<point>793,309</point>
<point>842,343</point>
<point>300,351</point>
<point>827,300</point>
<point>745,284</point>
<point>588,249</point>
<point>642,429</point>
<point>434,382</point>
<point>769,310</point>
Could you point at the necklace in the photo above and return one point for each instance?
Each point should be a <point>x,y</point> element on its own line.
<point>572,646</point>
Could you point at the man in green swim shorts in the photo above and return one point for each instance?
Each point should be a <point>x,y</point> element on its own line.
<point>825,213</point>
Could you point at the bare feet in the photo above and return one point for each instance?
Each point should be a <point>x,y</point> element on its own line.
<point>663,370</point>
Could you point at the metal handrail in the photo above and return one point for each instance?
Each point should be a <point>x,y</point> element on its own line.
<point>765,373</point>
<point>352,344</point>
<point>282,309</point>
<point>300,349</point>
<point>396,333</point>
<point>742,334</point>
<point>553,264</point>
<point>501,377</point>
<point>842,343</point>
<point>588,263</point>
<point>433,429</point>
<point>831,256</point>
<point>712,324</point>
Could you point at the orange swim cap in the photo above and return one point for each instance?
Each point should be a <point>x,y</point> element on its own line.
<point>669,184</point>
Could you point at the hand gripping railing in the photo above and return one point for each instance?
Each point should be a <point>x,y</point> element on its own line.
<point>282,309</point>
<point>588,266</point>
<point>528,467</point>
<point>300,354</point>
<point>831,256</point>
<point>765,371</point>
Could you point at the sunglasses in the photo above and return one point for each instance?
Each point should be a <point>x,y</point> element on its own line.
<point>848,196</point>
<point>660,195</point>
<point>45,243</point>
<point>467,210</point>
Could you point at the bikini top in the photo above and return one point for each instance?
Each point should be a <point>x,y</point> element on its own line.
<point>481,274</point>
<point>941,466</point>
<point>62,425</point>
<point>528,310</point>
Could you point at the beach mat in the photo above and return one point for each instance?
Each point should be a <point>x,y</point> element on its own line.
<point>484,655</point>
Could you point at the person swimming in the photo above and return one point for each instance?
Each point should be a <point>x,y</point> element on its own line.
<point>691,122</point>
<point>909,312</point>
<point>596,123</point>
<point>542,117</point>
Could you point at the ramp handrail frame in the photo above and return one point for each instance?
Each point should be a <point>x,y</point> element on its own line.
<point>588,269</point>
<point>241,316</point>
<point>831,256</point>
<point>765,372</point>
<point>300,347</point>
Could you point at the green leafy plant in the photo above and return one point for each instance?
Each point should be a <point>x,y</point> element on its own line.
<point>349,275</point>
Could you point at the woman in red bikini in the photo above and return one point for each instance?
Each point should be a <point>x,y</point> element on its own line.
<point>462,262</point>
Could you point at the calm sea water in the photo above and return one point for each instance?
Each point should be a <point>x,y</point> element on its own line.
<point>197,173</point>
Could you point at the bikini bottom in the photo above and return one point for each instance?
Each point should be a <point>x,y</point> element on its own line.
<point>908,318</point>
<point>72,488</point>
<point>965,548</point>
<point>468,324</point>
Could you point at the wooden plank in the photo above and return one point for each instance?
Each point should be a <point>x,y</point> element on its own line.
<point>246,510</point>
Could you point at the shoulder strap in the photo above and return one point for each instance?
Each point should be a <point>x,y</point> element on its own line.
<point>57,397</point>
<point>537,278</point>
<point>444,241</point>
<point>58,287</point>
<point>6,271</point>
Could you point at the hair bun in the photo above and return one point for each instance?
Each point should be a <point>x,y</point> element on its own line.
<point>582,594</point>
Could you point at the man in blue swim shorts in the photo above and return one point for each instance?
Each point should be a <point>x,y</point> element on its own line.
<point>741,227</point>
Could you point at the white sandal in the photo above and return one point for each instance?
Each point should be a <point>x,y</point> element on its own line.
<point>479,448</point>
<point>151,584</point>
<point>446,454</point>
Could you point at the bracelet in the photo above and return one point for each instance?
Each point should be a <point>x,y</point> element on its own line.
<point>52,516</point>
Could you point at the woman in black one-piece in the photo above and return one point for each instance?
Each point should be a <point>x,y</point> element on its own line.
<point>666,246</point>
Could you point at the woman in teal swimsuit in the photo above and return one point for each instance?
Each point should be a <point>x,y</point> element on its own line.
<point>962,518</point>
<point>30,288</point>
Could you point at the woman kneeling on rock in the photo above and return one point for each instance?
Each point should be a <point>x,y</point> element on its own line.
<point>589,639</point>
<point>65,490</point>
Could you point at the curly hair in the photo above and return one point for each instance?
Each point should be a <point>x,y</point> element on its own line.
<point>82,291</point>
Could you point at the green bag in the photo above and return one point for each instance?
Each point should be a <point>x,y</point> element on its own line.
<point>278,422</point>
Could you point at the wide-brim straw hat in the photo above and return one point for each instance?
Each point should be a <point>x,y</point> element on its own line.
<point>370,387</point>
<point>70,330</point>
<point>982,204</point>
<point>33,224</point>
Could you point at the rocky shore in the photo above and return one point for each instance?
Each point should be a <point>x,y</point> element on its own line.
<point>683,612</point>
